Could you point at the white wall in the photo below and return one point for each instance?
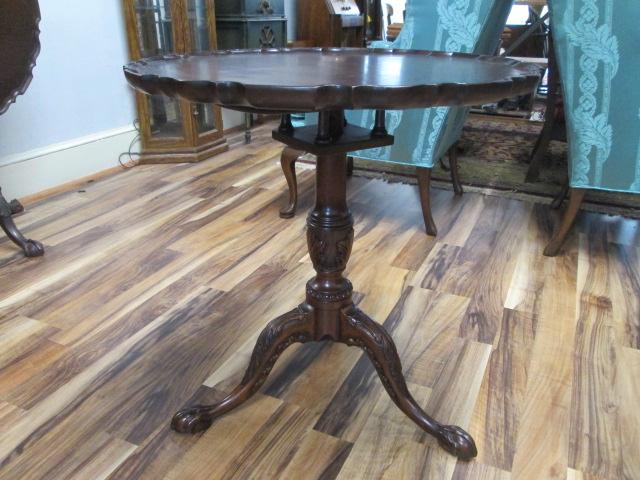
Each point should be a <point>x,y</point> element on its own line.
<point>291,11</point>
<point>78,86</point>
<point>77,92</point>
<point>77,115</point>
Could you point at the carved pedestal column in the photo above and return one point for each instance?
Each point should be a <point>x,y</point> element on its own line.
<point>329,238</point>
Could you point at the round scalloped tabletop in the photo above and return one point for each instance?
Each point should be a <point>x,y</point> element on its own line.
<point>19,48</point>
<point>314,79</point>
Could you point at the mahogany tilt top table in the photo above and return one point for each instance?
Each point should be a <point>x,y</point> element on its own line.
<point>329,81</point>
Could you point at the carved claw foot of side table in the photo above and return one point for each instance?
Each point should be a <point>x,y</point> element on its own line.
<point>31,248</point>
<point>294,326</point>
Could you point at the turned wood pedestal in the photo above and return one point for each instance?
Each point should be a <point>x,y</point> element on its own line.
<point>328,314</point>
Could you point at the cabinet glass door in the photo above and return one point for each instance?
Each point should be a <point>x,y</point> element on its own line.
<point>155,37</point>
<point>198,17</point>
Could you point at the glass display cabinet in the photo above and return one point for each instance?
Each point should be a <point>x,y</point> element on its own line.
<point>373,19</point>
<point>172,130</point>
<point>250,24</point>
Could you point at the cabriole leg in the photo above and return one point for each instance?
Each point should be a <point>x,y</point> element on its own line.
<point>424,185</point>
<point>288,163</point>
<point>455,172</point>
<point>294,326</point>
<point>359,330</point>
<point>560,235</point>
<point>31,248</point>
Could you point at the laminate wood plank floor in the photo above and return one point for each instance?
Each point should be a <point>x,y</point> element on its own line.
<point>157,281</point>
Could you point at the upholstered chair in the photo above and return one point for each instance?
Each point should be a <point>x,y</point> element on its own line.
<point>597,46</point>
<point>423,136</point>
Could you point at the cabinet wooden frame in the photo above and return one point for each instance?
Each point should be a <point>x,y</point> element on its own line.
<point>192,145</point>
<point>319,26</point>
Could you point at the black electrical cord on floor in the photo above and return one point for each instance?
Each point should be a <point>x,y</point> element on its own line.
<point>131,163</point>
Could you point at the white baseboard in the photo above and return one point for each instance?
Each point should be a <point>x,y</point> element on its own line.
<point>29,172</point>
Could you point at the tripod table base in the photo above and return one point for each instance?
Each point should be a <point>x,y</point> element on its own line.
<point>328,314</point>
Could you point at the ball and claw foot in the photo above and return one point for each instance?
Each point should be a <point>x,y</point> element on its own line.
<point>191,420</point>
<point>457,442</point>
<point>32,248</point>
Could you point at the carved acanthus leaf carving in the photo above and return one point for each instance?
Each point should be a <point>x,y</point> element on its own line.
<point>273,341</point>
<point>328,259</point>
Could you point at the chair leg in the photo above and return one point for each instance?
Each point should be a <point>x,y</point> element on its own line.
<point>539,152</point>
<point>562,194</point>
<point>542,145</point>
<point>559,236</point>
<point>349,166</point>
<point>455,173</point>
<point>424,185</point>
<point>288,162</point>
